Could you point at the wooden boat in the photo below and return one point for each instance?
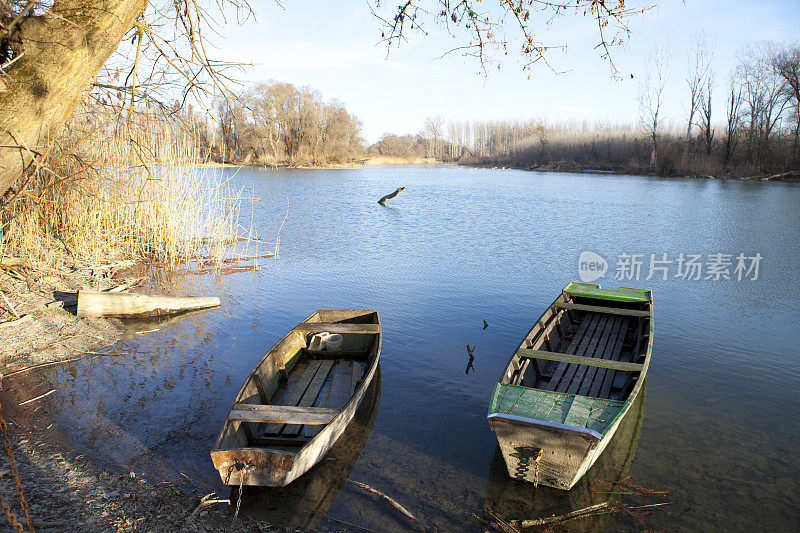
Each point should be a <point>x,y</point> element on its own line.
<point>297,402</point>
<point>571,381</point>
<point>304,503</point>
<point>513,500</point>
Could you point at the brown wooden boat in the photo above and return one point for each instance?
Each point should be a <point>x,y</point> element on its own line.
<point>304,503</point>
<point>297,402</point>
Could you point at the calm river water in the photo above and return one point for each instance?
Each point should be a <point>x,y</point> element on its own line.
<point>718,431</point>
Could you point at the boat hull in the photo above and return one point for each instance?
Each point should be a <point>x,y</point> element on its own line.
<point>275,467</point>
<point>244,456</point>
<point>571,381</point>
<point>565,453</point>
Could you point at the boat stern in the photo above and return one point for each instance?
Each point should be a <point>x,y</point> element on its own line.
<point>255,466</point>
<point>544,453</point>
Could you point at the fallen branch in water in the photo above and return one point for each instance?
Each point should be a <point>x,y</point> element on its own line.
<point>210,261</point>
<point>38,397</point>
<point>650,505</point>
<point>205,501</point>
<point>382,201</point>
<point>59,362</point>
<point>505,526</point>
<point>99,304</point>
<point>221,271</point>
<point>394,503</point>
<point>348,524</point>
<point>600,508</point>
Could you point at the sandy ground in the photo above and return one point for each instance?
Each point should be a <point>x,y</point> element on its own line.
<point>65,489</point>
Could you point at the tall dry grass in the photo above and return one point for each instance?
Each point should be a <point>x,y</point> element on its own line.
<point>116,187</point>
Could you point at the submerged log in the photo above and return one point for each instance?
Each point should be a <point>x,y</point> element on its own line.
<point>96,303</point>
<point>382,201</point>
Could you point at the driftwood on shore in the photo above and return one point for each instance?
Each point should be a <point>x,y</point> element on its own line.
<point>792,175</point>
<point>97,303</point>
<point>382,201</point>
<point>13,262</point>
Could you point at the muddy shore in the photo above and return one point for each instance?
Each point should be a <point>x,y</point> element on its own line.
<point>66,489</point>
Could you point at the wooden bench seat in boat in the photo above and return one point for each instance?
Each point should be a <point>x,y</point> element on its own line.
<point>321,390</point>
<point>284,414</point>
<point>601,309</point>
<point>581,360</point>
<point>589,364</point>
<point>330,327</point>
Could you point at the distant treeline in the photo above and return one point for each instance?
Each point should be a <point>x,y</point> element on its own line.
<point>277,123</point>
<point>757,135</point>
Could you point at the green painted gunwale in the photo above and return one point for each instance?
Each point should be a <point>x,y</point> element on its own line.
<point>623,294</point>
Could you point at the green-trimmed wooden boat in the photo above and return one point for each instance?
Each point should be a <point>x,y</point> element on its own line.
<point>571,381</point>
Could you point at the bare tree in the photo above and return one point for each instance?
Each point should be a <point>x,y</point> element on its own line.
<point>733,116</point>
<point>297,125</point>
<point>489,31</point>
<point>764,98</point>
<point>652,96</point>
<point>433,136</point>
<point>699,69</point>
<point>787,64</point>
<point>706,128</point>
<point>52,51</point>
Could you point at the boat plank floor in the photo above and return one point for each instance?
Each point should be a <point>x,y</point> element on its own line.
<point>594,377</point>
<point>584,377</point>
<point>602,383</point>
<point>587,348</point>
<point>337,394</point>
<point>296,394</point>
<point>585,329</point>
<point>310,395</point>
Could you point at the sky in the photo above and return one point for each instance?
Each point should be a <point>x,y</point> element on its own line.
<point>334,47</point>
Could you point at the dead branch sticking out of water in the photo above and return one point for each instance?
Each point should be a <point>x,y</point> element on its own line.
<point>382,201</point>
<point>394,503</point>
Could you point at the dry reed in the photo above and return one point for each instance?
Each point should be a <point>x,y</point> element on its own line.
<point>118,187</point>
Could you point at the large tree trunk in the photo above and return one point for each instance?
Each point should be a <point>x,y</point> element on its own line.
<point>63,51</point>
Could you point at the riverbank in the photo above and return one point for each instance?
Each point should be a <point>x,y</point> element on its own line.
<point>67,491</point>
<point>372,160</point>
<point>65,488</point>
<point>572,168</point>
